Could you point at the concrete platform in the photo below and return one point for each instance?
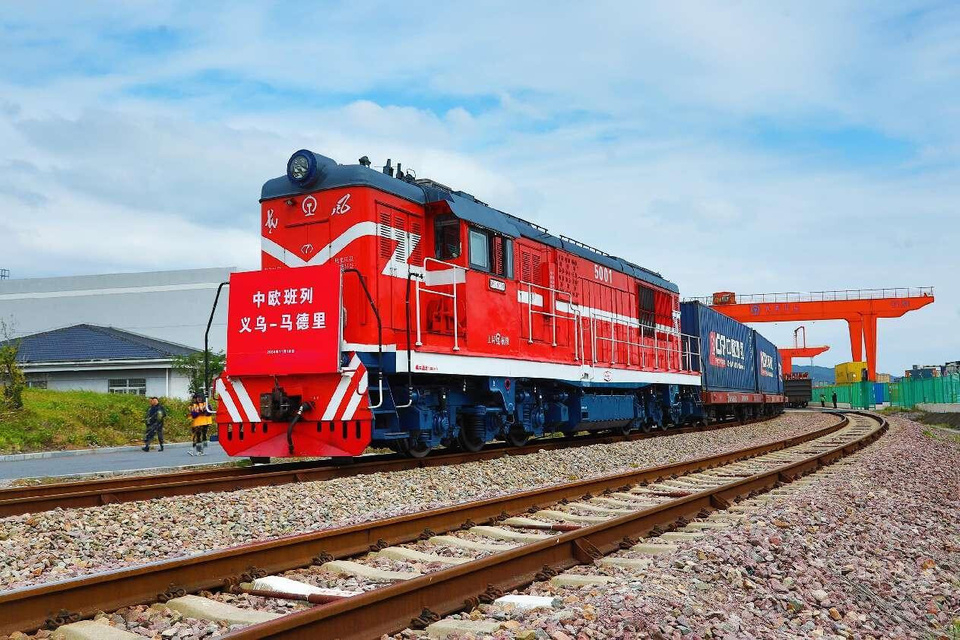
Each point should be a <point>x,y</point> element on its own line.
<point>63,464</point>
<point>498,533</point>
<point>576,580</point>
<point>91,630</point>
<point>470,545</point>
<point>371,573</point>
<point>206,609</point>
<point>402,553</point>
<point>449,627</point>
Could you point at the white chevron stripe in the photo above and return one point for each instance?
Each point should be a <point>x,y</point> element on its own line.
<point>396,265</point>
<point>227,401</point>
<point>248,407</point>
<point>341,390</point>
<point>355,399</point>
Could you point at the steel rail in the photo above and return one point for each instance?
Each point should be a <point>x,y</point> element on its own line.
<point>32,607</point>
<point>94,493</point>
<point>430,597</point>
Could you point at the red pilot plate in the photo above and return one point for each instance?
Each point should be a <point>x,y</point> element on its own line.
<point>284,321</point>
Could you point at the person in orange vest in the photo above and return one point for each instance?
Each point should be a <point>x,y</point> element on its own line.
<point>200,423</point>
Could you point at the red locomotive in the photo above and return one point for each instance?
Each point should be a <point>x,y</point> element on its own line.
<point>398,312</point>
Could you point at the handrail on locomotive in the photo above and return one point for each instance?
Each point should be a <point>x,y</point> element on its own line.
<point>455,281</point>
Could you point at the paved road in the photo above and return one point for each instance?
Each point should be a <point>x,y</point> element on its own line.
<point>173,455</point>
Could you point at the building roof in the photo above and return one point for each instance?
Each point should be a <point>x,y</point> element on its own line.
<point>89,343</point>
<point>461,204</point>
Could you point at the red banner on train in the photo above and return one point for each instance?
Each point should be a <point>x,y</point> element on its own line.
<point>284,321</point>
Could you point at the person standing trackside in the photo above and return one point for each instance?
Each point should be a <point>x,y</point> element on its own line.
<point>154,422</point>
<point>834,399</point>
<point>823,401</point>
<point>200,423</point>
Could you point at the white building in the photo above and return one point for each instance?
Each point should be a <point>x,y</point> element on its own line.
<point>90,358</point>
<point>167,305</point>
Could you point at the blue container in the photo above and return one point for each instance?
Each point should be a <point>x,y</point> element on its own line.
<point>728,360</point>
<point>769,373</point>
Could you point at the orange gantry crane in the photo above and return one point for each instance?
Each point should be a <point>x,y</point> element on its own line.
<point>859,307</point>
<point>798,350</point>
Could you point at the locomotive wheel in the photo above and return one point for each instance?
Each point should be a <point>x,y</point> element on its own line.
<point>517,437</point>
<point>645,426</point>
<point>259,460</point>
<point>468,443</point>
<point>626,429</point>
<point>413,448</point>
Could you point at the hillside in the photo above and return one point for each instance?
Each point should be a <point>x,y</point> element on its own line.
<point>822,375</point>
<point>77,419</point>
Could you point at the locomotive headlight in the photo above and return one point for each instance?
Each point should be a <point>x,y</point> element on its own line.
<point>299,167</point>
<point>302,168</point>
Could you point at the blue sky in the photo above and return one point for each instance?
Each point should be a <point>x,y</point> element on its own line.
<point>747,146</point>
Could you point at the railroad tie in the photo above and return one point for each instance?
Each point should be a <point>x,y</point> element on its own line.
<point>563,516</point>
<point>586,506</point>
<point>402,553</point>
<point>351,568</point>
<point>92,630</point>
<point>499,533</point>
<point>470,545</point>
<point>207,609</point>
<point>577,580</point>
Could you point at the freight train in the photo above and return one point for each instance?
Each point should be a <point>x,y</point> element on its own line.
<point>398,312</point>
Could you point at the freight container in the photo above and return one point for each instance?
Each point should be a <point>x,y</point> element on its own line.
<point>769,372</point>
<point>849,372</point>
<point>798,390</point>
<point>728,360</point>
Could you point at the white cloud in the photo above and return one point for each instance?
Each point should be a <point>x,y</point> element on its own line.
<point>633,128</point>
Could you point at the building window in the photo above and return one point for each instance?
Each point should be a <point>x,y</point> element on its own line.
<point>128,386</point>
<point>491,252</point>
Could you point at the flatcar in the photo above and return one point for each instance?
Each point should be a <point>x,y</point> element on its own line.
<point>398,312</point>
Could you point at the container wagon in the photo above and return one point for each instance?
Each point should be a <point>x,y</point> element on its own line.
<point>738,379</point>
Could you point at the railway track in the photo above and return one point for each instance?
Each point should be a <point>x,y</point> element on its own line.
<point>70,495</point>
<point>551,535</point>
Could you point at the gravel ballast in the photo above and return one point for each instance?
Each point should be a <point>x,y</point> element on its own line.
<point>869,548</point>
<point>37,548</point>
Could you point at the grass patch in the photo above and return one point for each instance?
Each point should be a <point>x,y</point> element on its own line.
<point>54,420</point>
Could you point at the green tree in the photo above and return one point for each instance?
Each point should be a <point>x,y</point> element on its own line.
<point>192,367</point>
<point>11,375</point>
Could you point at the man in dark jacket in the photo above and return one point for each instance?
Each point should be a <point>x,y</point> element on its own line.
<point>154,421</point>
<point>834,399</point>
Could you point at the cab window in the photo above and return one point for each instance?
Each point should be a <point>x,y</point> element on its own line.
<point>491,252</point>
<point>446,237</point>
<point>479,250</point>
